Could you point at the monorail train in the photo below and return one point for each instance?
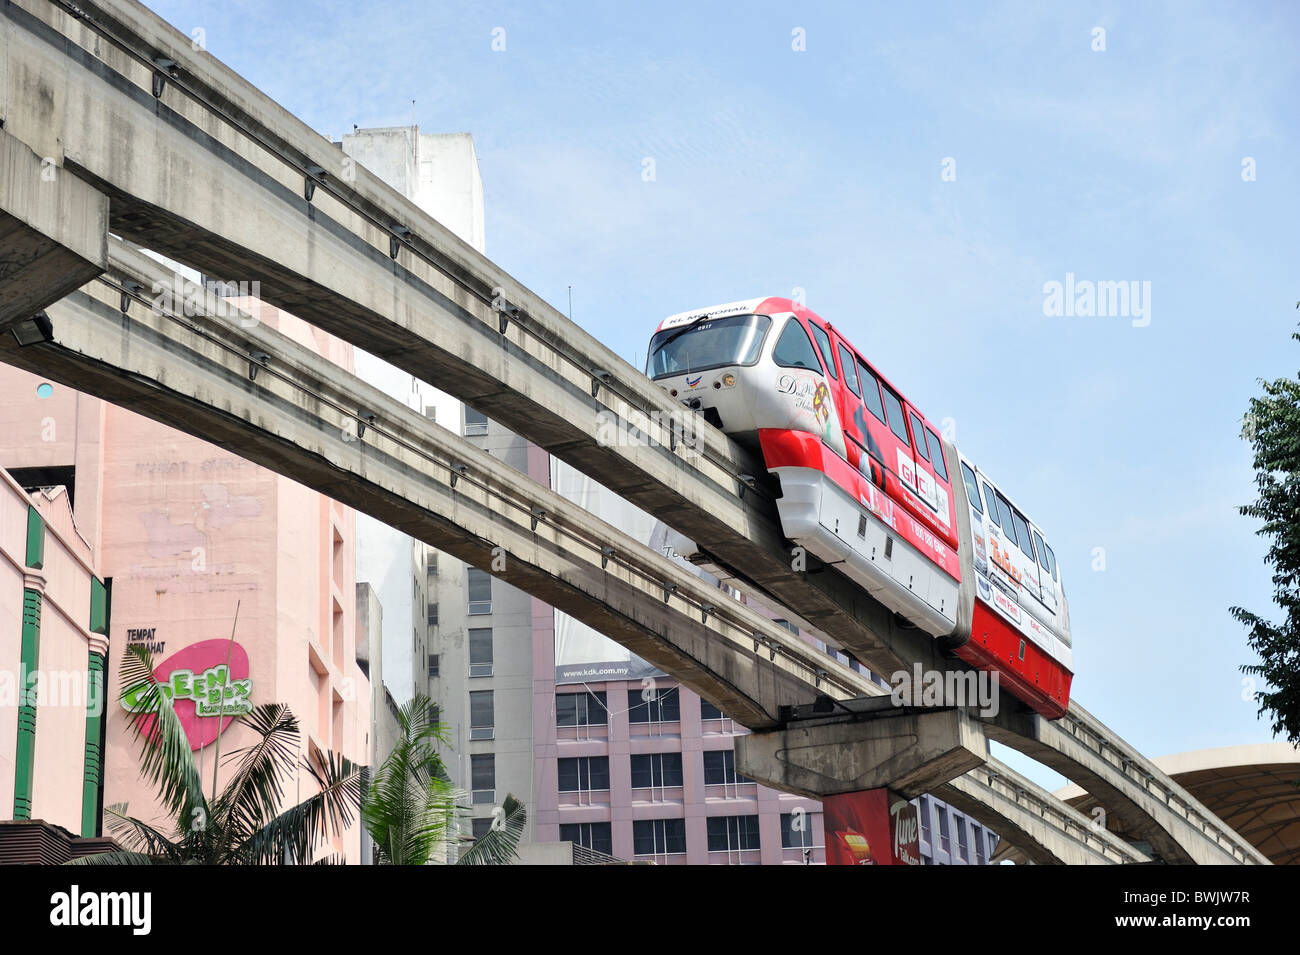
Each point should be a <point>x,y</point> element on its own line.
<point>867,484</point>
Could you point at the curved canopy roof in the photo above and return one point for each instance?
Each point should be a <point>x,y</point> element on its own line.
<point>1254,788</point>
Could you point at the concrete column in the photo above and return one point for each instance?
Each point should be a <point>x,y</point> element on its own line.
<point>909,750</point>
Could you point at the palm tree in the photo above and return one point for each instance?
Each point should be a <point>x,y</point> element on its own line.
<point>243,824</point>
<point>411,807</point>
<point>500,844</point>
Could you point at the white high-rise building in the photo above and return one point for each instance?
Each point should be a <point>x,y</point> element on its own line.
<point>439,172</point>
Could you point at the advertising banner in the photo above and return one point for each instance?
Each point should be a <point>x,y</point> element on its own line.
<point>872,827</point>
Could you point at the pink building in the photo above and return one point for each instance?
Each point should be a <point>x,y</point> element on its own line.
<point>184,533</point>
<point>52,650</point>
<point>643,769</point>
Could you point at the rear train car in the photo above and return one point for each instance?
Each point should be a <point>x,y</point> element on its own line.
<point>1019,620</point>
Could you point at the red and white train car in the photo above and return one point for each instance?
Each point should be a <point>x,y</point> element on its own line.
<point>867,484</point>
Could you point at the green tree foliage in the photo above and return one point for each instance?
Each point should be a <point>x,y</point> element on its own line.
<point>1272,426</point>
<point>411,807</point>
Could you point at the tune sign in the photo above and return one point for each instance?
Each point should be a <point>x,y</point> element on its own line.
<point>874,827</point>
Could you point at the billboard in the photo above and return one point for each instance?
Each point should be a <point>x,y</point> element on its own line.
<point>208,684</point>
<point>872,827</point>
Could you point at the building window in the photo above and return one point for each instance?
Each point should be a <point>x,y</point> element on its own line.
<point>433,664</point>
<point>483,778</point>
<point>664,706</point>
<point>728,833</point>
<point>480,591</point>
<point>595,836</point>
<point>476,422</point>
<point>981,850</point>
<point>658,837</point>
<point>481,827</point>
<point>433,615</point>
<point>583,774</point>
<point>581,709</point>
<point>720,768</point>
<point>945,841</point>
<point>480,651</point>
<point>656,770</point>
<point>796,830</point>
<point>962,853</point>
<point>710,712</point>
<point>482,717</point>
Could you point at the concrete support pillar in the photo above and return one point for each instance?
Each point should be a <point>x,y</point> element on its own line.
<point>910,750</point>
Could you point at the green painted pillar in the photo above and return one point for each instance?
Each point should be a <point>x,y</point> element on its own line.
<point>90,788</point>
<point>25,761</point>
<point>35,538</point>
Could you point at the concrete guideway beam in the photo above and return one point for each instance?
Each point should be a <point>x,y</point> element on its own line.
<point>307,419</point>
<point>1179,829</point>
<point>52,232</point>
<point>1030,818</point>
<point>908,749</point>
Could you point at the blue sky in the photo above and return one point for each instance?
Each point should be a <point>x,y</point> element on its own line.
<point>821,169</point>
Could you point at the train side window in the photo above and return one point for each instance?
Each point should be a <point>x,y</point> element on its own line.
<point>871,392</point>
<point>1008,522</point>
<point>993,505</point>
<point>824,343</point>
<point>1042,552</point>
<point>1051,559</point>
<point>972,489</point>
<point>897,424</point>
<point>850,377</point>
<point>794,350</point>
<point>918,432</point>
<point>1022,532</point>
<point>936,454</point>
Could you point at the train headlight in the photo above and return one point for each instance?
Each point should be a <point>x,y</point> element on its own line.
<point>728,380</point>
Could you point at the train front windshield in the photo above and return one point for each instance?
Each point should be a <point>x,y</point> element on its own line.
<point>711,343</point>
